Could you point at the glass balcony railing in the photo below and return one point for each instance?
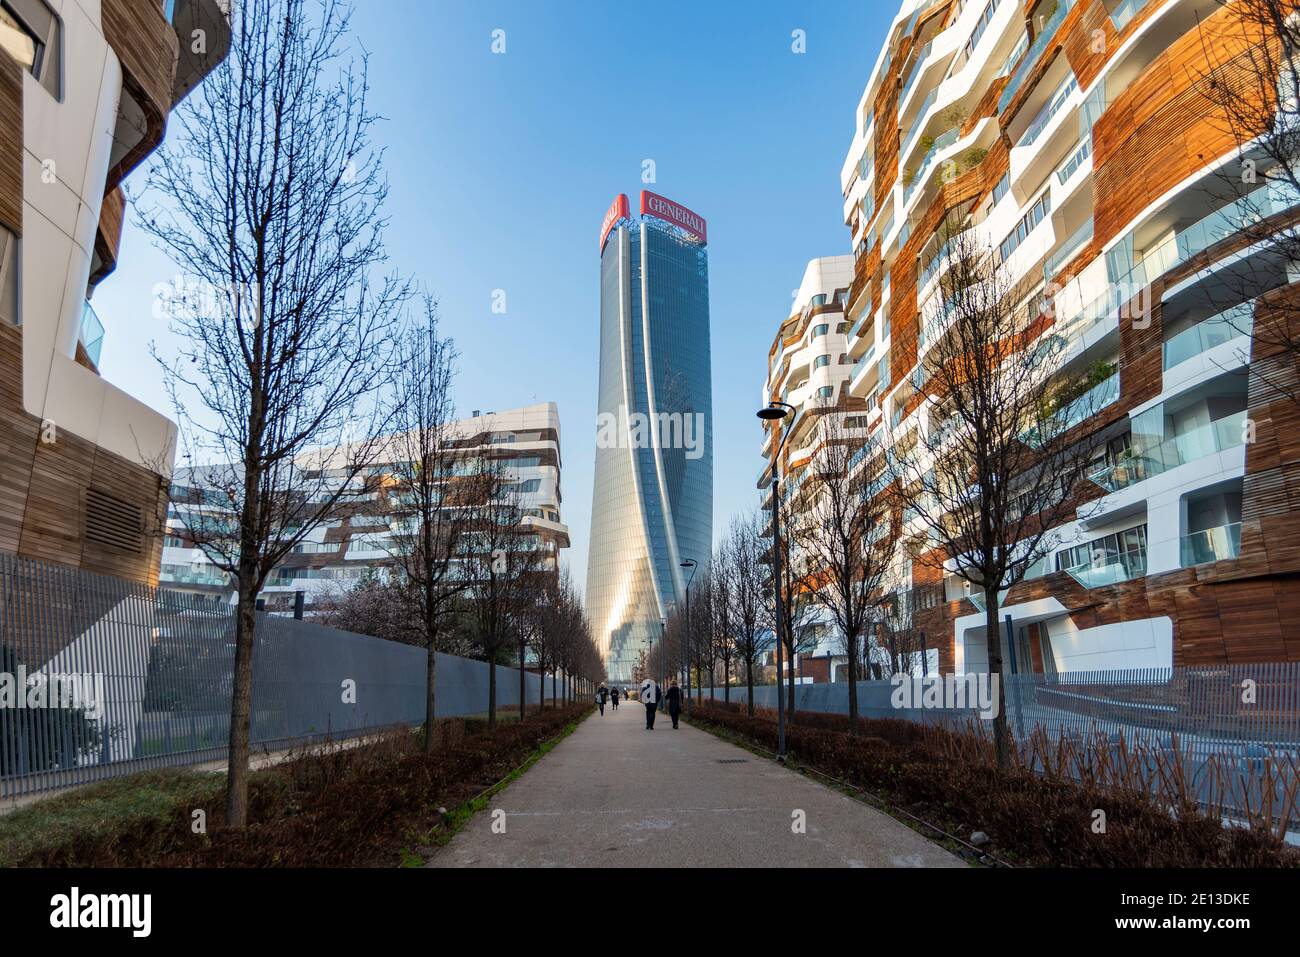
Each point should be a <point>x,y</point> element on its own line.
<point>1125,12</point>
<point>1211,545</point>
<point>1264,202</point>
<point>91,333</point>
<point>1077,158</point>
<point>942,142</point>
<point>918,124</point>
<point>1068,249</point>
<point>1205,335</point>
<point>1041,41</point>
<point>916,71</point>
<point>863,451</point>
<point>862,363</point>
<point>937,262</point>
<point>1048,113</point>
<point>1087,405</point>
<point>1111,569</point>
<point>177,576</point>
<point>1141,464</point>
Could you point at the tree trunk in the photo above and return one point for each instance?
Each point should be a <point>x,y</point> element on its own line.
<point>554,701</point>
<point>853,684</point>
<point>492,691</point>
<point>523,683</point>
<point>994,632</point>
<point>431,673</point>
<point>241,702</point>
<point>789,681</point>
<point>749,684</point>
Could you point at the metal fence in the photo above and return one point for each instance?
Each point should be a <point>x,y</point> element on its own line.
<point>1240,708</point>
<point>1224,722</point>
<point>100,677</point>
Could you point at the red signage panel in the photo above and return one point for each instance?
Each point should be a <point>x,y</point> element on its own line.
<point>617,210</point>
<point>678,215</point>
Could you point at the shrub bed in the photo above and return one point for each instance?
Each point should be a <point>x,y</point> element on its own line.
<point>953,781</point>
<point>353,807</point>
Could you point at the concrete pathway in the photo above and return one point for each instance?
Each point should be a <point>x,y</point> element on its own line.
<point>613,793</point>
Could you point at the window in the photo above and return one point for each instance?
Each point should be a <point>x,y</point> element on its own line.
<point>821,362</point>
<point>1000,190</point>
<point>8,277</point>
<point>825,392</point>
<point>1036,214</point>
<point>29,33</point>
<point>1127,548</point>
<point>985,19</point>
<point>841,328</point>
<point>821,330</point>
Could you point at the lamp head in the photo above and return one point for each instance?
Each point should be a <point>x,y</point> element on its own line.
<point>773,412</point>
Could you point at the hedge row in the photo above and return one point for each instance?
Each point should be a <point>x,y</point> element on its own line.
<point>953,782</point>
<point>355,807</point>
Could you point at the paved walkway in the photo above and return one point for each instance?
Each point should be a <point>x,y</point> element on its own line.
<point>613,792</point>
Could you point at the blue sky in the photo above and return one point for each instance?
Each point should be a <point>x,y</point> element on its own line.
<point>501,166</point>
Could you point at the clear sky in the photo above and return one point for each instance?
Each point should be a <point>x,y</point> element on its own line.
<point>501,166</point>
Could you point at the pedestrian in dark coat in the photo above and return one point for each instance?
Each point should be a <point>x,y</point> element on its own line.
<point>674,701</point>
<point>650,697</point>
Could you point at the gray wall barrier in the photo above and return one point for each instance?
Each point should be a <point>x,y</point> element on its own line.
<point>100,677</point>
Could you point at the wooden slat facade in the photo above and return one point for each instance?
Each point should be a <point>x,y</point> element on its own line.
<point>147,46</point>
<point>1161,130</point>
<point>11,144</point>
<point>44,485</point>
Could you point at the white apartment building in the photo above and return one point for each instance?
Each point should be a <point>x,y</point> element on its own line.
<point>358,543</point>
<point>1070,137</point>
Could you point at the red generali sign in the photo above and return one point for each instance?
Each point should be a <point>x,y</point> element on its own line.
<point>678,215</point>
<point>617,210</point>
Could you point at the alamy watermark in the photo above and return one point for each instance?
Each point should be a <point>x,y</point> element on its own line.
<point>947,692</point>
<point>644,430</point>
<point>41,690</point>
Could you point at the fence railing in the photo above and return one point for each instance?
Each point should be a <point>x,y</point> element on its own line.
<point>1221,720</point>
<point>1240,708</point>
<point>100,677</point>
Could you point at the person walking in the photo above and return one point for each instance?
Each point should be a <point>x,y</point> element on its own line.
<point>601,694</point>
<point>650,697</point>
<point>674,697</point>
<point>613,697</point>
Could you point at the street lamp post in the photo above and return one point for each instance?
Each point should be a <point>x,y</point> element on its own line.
<point>777,411</point>
<point>688,563</point>
<point>659,665</point>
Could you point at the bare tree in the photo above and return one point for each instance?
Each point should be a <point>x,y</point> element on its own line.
<point>273,210</point>
<point>740,563</point>
<point>702,651</point>
<point>896,646</point>
<point>844,534</point>
<point>429,507</point>
<point>797,605</point>
<point>994,478</point>
<point>501,560</point>
<point>720,619</point>
<point>558,614</point>
<point>371,606</point>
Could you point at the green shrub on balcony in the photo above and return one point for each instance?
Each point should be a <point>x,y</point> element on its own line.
<point>1097,373</point>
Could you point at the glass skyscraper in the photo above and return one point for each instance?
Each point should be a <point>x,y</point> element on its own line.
<point>652,503</point>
